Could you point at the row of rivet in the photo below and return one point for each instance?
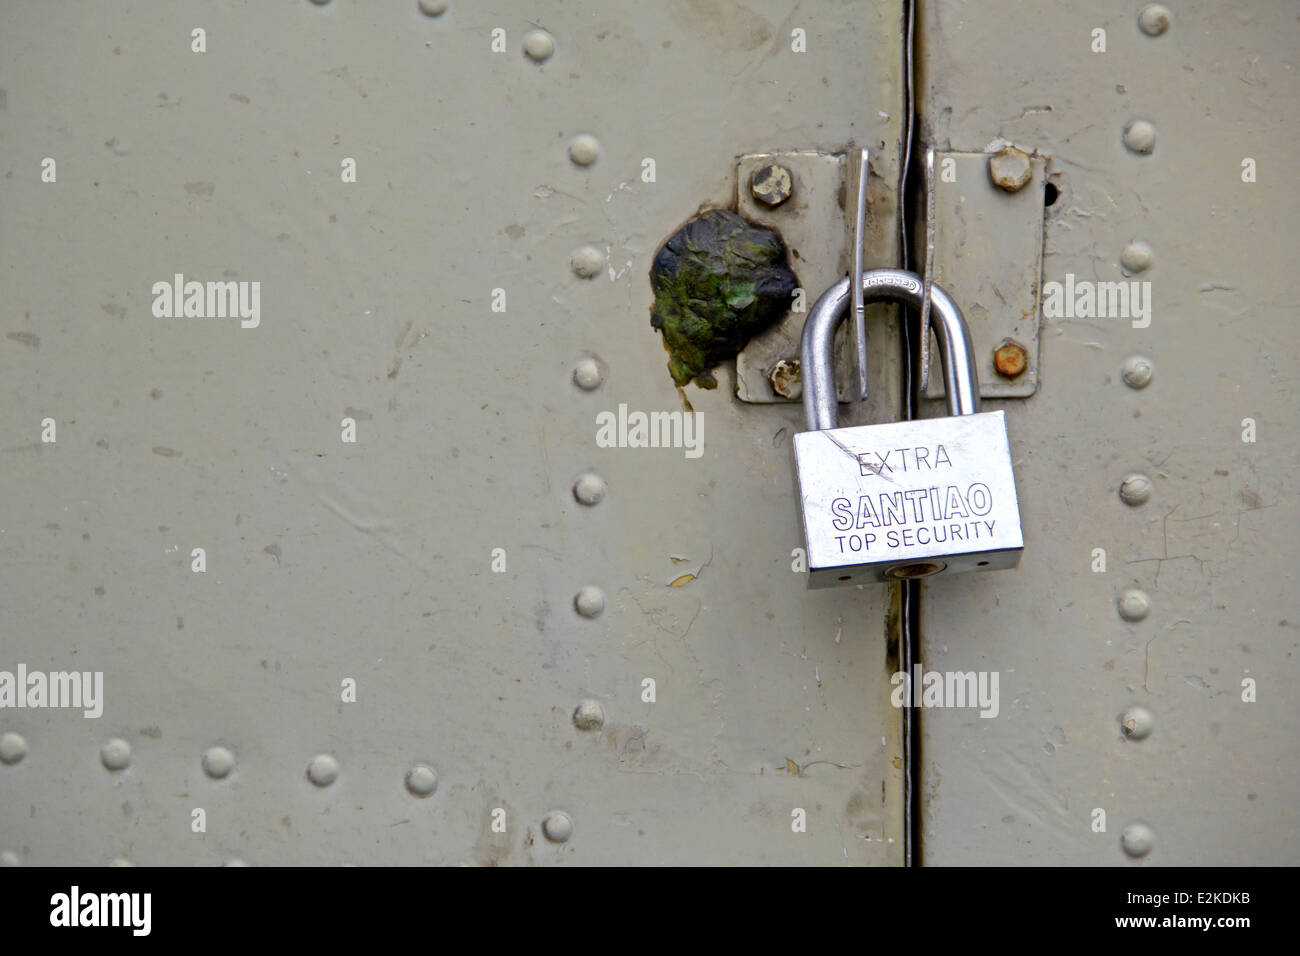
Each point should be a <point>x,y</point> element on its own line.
<point>422,780</point>
<point>323,769</point>
<point>1137,839</point>
<point>589,489</point>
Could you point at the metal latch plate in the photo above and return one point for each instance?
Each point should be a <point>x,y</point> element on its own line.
<point>988,256</point>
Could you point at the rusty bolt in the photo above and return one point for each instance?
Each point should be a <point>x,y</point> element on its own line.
<point>771,184</point>
<point>1010,169</point>
<point>1010,360</point>
<point>786,379</point>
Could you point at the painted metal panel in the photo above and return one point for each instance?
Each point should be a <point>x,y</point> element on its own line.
<point>377,561</point>
<point>1171,153</point>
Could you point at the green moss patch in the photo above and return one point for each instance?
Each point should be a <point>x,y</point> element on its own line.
<point>718,281</point>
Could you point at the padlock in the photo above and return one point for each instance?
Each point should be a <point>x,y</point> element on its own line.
<point>902,499</point>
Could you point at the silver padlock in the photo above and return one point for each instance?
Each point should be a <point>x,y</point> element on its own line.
<point>902,499</point>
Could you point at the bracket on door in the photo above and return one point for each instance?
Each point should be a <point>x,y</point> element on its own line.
<point>983,244</point>
<point>985,241</point>
<point>821,209</point>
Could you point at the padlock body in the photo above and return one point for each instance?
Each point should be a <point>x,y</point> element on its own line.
<point>908,499</point>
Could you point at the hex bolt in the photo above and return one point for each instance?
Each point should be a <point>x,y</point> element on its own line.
<point>785,379</point>
<point>1010,359</point>
<point>771,184</point>
<point>1010,169</point>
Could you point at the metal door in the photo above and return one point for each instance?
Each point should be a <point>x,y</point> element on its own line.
<point>1146,643</point>
<point>372,572</point>
<point>394,649</point>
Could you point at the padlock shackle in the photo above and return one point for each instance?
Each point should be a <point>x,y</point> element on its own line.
<point>960,378</point>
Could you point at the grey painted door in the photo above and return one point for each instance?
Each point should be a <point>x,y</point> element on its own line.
<point>417,646</point>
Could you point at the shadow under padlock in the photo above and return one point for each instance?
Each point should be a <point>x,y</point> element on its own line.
<point>902,499</point>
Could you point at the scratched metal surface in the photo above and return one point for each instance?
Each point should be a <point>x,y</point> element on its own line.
<point>372,561</point>
<point>1214,547</point>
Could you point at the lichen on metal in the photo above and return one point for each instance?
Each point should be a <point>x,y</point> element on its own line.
<point>717,281</point>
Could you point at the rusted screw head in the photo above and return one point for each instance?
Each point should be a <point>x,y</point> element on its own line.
<point>786,380</point>
<point>1010,360</point>
<point>1010,169</point>
<point>771,184</point>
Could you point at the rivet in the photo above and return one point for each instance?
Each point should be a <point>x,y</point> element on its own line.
<point>13,748</point>
<point>1134,605</point>
<point>1153,19</point>
<point>320,3</point>
<point>589,601</point>
<point>587,374</point>
<point>584,149</point>
<point>1135,489</point>
<point>218,762</point>
<point>1136,722</point>
<point>323,769</point>
<point>116,754</point>
<point>589,715</point>
<point>121,861</point>
<point>771,184</point>
<point>1140,136</point>
<point>1010,359</point>
<point>1136,257</point>
<point>587,262</point>
<point>786,378</point>
<point>9,858</point>
<point>558,826</point>
<point>422,780</point>
<point>1137,839</point>
<point>1010,169</point>
<point>539,45</point>
<point>1137,371</point>
<point>589,489</point>
<point>235,861</point>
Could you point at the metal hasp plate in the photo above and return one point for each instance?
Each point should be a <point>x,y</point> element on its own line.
<point>893,500</point>
<point>812,223</point>
<point>988,255</point>
<point>815,240</point>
